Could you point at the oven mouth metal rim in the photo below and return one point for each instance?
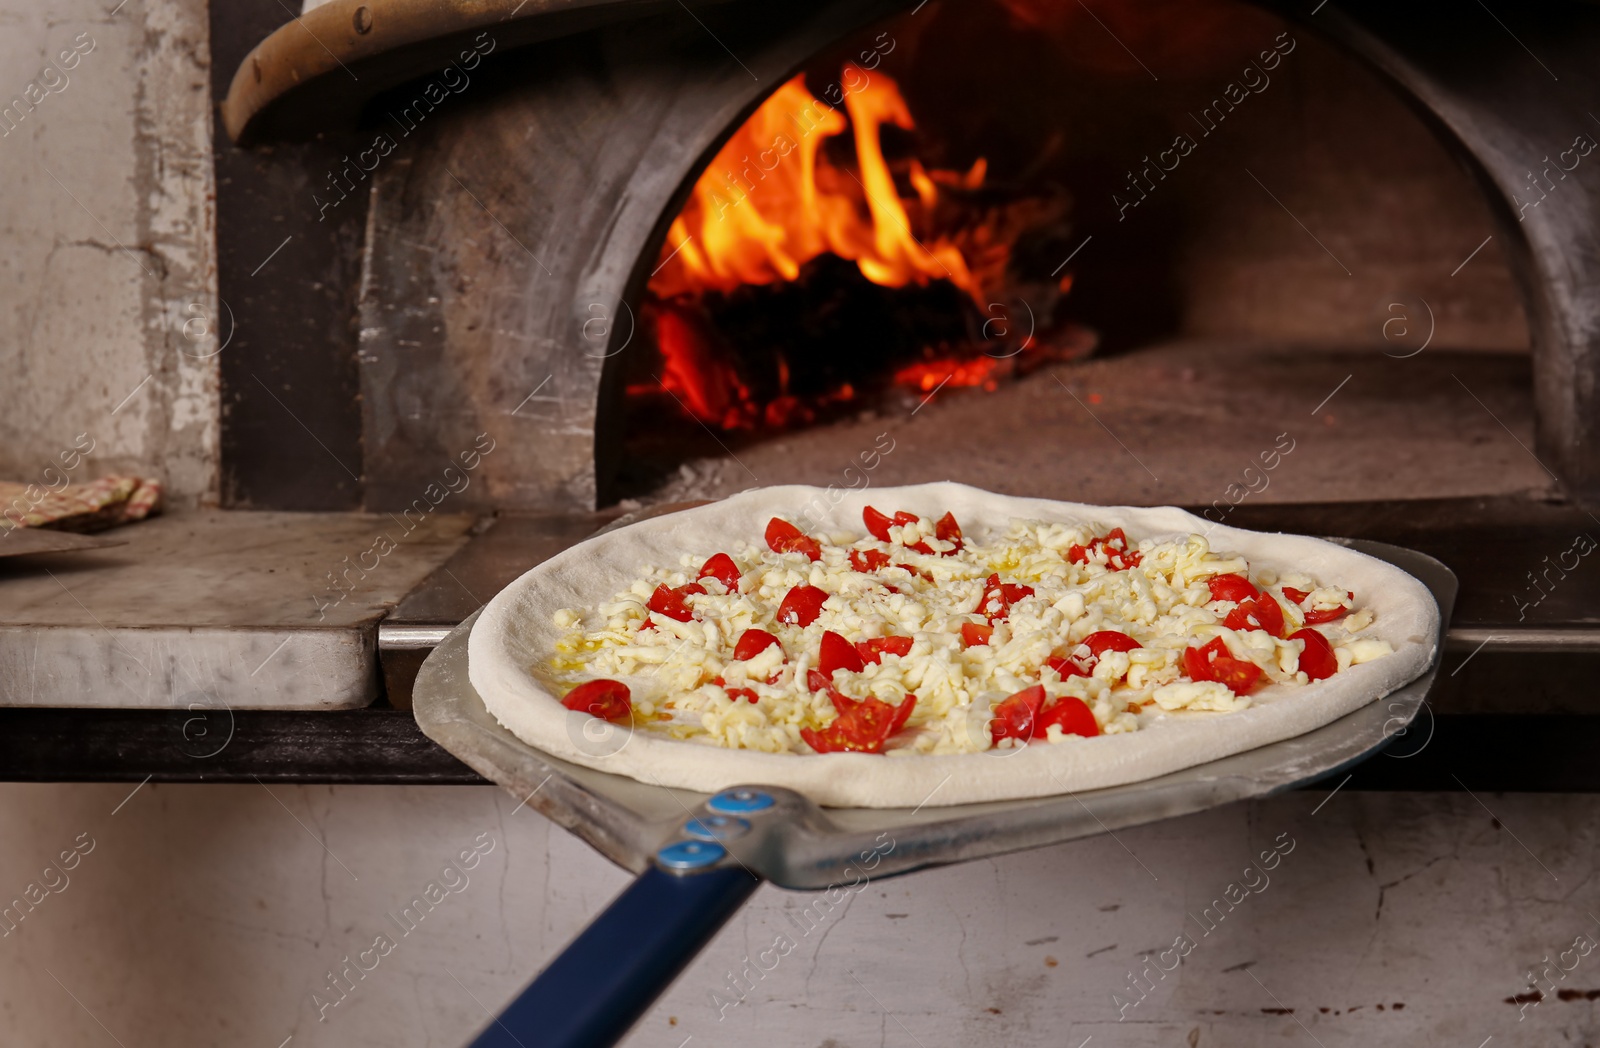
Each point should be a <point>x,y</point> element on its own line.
<point>297,81</point>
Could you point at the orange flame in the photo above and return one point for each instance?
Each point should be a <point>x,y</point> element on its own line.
<point>770,201</point>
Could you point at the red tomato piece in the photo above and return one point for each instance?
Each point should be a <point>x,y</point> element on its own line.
<point>836,653</point>
<point>1315,616</point>
<point>783,537</point>
<point>1120,556</point>
<point>946,529</point>
<point>751,643</point>
<point>606,699</point>
<point>1119,553</point>
<point>995,604</point>
<point>1317,660</point>
<point>1065,667</point>
<point>862,726</point>
<point>973,634</point>
<point>722,568</point>
<point>747,694</point>
<point>673,603</point>
<point>872,651</point>
<point>1013,592</point>
<point>902,713</point>
<point>1197,661</point>
<point>1212,662</point>
<point>1236,675</point>
<point>877,524</point>
<point>1072,714</point>
<point>901,519</point>
<point>1013,717</point>
<point>1236,588</point>
<point>1103,641</point>
<point>802,605</point>
<point>1257,613</point>
<point>868,560</point>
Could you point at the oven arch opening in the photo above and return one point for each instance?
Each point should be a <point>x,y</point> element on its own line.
<point>1365,319</point>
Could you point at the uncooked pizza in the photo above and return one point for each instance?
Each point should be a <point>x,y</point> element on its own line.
<point>938,644</point>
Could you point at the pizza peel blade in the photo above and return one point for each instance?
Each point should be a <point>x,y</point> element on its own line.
<point>592,993</point>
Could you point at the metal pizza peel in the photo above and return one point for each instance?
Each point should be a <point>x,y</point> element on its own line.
<point>700,856</point>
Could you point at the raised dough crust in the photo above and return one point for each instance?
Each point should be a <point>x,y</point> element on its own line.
<point>515,636</point>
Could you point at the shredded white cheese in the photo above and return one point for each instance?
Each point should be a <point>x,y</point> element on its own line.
<point>1163,603</point>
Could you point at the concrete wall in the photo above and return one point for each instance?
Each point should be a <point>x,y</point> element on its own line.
<point>108,276</point>
<point>210,915</point>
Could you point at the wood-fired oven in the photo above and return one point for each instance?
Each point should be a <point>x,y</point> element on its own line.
<point>1319,267</point>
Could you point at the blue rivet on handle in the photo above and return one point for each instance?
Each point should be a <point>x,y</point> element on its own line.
<point>691,855</point>
<point>740,801</point>
<point>717,827</point>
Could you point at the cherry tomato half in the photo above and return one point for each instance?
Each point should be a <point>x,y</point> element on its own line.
<point>868,560</point>
<point>722,568</point>
<point>1257,613</point>
<point>1316,616</point>
<point>995,604</point>
<point>1236,675</point>
<point>801,605</point>
<point>862,726</point>
<point>1212,662</point>
<point>1073,716</point>
<point>783,537</point>
<point>974,634</point>
<point>1103,641</point>
<point>674,603</point>
<point>1236,588</point>
<point>606,699</point>
<point>945,529</point>
<point>873,650</point>
<point>836,653</point>
<point>1013,716</point>
<point>1114,544</point>
<point>1317,660</point>
<point>877,524</point>
<point>752,642</point>
<point>1065,667</point>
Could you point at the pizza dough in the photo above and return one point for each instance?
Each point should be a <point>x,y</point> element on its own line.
<point>515,636</point>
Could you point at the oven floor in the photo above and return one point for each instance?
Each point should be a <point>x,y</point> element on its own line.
<point>1175,423</point>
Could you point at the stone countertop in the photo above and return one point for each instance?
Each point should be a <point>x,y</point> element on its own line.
<point>241,609</point>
